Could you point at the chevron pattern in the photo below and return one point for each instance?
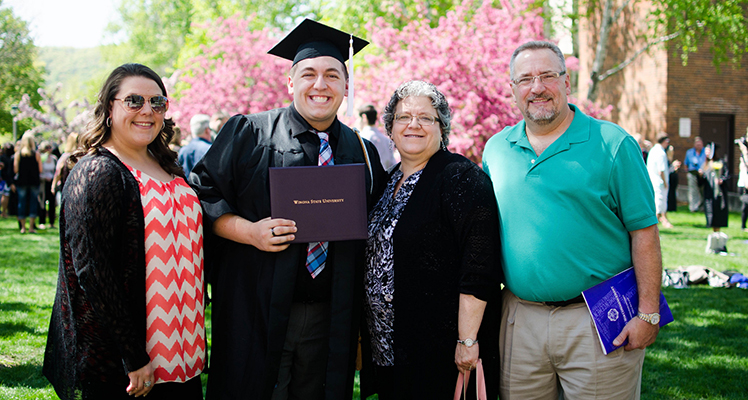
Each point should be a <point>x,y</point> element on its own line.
<point>174,278</point>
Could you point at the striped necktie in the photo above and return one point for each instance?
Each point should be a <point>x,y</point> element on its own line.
<point>316,253</point>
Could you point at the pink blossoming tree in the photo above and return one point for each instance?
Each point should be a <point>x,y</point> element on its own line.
<point>234,74</point>
<point>54,119</point>
<point>467,57</point>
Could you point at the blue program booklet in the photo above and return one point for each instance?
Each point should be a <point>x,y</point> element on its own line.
<point>614,303</point>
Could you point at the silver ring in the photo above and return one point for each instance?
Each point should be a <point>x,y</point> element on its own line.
<point>147,384</point>
<point>272,231</point>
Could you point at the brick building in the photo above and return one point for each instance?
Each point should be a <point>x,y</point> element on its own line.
<point>657,93</point>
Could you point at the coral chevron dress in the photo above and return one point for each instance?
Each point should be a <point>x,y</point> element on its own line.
<point>175,306</point>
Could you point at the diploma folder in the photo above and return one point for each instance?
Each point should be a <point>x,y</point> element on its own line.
<point>613,303</point>
<point>328,203</point>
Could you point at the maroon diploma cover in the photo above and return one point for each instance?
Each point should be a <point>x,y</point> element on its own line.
<point>328,203</point>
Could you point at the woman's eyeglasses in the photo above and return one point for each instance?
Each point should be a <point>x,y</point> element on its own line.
<point>423,120</point>
<point>135,103</point>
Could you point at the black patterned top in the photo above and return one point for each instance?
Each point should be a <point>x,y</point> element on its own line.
<point>379,278</point>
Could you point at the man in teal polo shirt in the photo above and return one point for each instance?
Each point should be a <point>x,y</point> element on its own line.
<point>576,207</point>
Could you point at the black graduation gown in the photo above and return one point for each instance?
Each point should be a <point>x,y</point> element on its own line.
<point>715,198</point>
<point>252,290</point>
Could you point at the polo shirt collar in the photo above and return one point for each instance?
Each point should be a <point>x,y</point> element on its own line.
<point>577,132</point>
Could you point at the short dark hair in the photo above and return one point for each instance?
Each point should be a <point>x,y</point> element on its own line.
<point>97,132</point>
<point>292,71</point>
<point>536,45</point>
<point>370,112</point>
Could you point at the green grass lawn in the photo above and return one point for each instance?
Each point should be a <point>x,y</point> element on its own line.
<point>702,355</point>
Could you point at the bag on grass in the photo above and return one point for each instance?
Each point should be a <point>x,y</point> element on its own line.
<point>739,280</point>
<point>716,243</point>
<point>675,278</point>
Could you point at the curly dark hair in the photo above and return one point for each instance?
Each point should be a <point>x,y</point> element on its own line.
<point>97,132</point>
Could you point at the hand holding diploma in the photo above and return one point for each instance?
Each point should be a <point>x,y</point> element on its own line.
<point>268,234</point>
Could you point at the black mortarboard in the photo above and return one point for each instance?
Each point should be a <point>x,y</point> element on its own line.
<point>310,39</point>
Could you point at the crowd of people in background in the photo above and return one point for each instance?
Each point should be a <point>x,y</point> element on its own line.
<point>289,320</point>
<point>709,179</point>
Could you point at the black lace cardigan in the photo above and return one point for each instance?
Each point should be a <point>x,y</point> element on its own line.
<point>98,327</point>
<point>446,242</point>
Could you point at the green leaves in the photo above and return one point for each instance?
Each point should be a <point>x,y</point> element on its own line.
<point>722,25</point>
<point>18,72</point>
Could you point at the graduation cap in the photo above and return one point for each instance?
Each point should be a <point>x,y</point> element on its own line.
<point>311,39</point>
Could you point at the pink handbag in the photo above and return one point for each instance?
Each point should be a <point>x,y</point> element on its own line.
<point>480,380</point>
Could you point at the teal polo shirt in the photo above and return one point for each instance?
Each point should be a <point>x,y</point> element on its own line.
<point>566,215</point>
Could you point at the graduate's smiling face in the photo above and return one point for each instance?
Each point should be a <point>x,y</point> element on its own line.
<point>318,86</point>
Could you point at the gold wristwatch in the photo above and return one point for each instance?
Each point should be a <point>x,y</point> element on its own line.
<point>653,318</point>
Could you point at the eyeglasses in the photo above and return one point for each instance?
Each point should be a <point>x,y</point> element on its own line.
<point>423,120</point>
<point>135,103</point>
<point>545,79</point>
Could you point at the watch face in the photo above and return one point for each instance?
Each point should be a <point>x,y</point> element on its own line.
<point>655,319</point>
<point>469,342</point>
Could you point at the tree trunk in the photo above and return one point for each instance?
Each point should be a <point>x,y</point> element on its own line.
<point>600,51</point>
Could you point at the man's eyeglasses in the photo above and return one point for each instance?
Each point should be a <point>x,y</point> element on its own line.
<point>135,103</point>
<point>545,79</point>
<point>423,120</point>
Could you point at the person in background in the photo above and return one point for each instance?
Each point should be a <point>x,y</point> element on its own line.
<point>433,260</point>
<point>695,159</point>
<point>176,142</point>
<point>62,169</point>
<point>743,179</point>
<point>217,120</point>
<point>27,165</point>
<point>3,187</point>
<point>367,119</point>
<point>285,316</point>
<point>7,176</point>
<point>674,166</point>
<point>659,174</point>
<point>128,316</point>
<point>197,147</point>
<point>576,208</point>
<point>716,178</point>
<point>48,210</point>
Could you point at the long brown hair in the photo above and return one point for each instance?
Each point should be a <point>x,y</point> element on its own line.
<point>98,132</point>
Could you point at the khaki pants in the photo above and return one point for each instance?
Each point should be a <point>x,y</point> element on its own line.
<point>554,352</point>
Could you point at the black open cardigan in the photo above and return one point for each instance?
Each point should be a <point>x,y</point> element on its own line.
<point>446,242</point>
<point>98,327</point>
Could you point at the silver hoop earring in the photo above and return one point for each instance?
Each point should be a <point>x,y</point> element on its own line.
<point>108,122</point>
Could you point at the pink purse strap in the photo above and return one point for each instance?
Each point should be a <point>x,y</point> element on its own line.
<point>480,380</point>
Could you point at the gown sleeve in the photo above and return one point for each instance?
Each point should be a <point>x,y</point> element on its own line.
<point>214,177</point>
